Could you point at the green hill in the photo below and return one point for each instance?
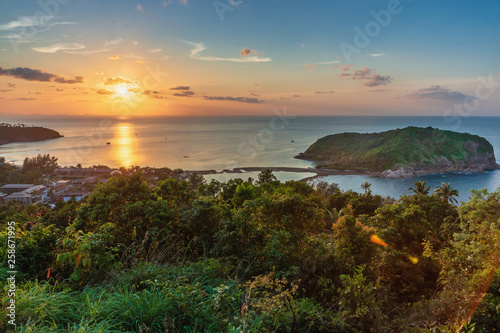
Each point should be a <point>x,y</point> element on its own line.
<point>23,133</point>
<point>404,152</point>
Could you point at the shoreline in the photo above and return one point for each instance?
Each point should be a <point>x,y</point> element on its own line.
<point>318,172</point>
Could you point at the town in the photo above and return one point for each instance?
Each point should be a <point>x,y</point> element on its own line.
<point>50,183</point>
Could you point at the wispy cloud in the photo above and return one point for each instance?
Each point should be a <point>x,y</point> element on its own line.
<point>184,93</point>
<point>37,75</point>
<point>235,99</point>
<point>367,74</point>
<point>180,88</point>
<point>153,94</point>
<point>200,47</point>
<point>139,8</point>
<point>59,47</point>
<point>325,92</point>
<point>105,92</point>
<point>35,21</point>
<point>87,52</point>
<point>309,66</point>
<point>110,81</point>
<point>378,90</point>
<point>153,50</point>
<point>377,54</point>
<point>113,42</point>
<point>114,57</point>
<point>168,2</point>
<point>246,52</point>
<point>440,94</point>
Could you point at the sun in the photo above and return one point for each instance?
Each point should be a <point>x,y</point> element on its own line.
<point>123,92</point>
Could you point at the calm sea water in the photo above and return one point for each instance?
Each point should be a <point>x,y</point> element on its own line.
<point>226,142</point>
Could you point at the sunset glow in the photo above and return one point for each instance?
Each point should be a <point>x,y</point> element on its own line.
<point>190,58</point>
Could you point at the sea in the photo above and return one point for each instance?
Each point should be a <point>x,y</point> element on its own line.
<point>218,143</point>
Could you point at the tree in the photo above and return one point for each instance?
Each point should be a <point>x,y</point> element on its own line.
<point>43,163</point>
<point>326,189</point>
<point>196,180</point>
<point>366,187</point>
<point>266,176</point>
<point>421,188</point>
<point>447,193</point>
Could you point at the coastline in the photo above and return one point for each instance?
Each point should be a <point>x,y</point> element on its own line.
<point>318,172</point>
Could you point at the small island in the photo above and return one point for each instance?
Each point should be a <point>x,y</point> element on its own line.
<point>23,133</point>
<point>406,152</point>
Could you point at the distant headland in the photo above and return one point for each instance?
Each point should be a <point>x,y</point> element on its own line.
<point>406,152</point>
<point>23,133</point>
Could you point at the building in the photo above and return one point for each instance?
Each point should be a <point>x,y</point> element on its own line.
<point>59,189</point>
<point>83,172</point>
<point>73,172</point>
<point>88,180</point>
<point>28,196</point>
<point>13,188</point>
<point>76,195</point>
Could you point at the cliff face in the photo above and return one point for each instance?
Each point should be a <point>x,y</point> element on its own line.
<point>10,134</point>
<point>404,152</point>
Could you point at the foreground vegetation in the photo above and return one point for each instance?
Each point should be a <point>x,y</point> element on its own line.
<point>422,148</point>
<point>255,256</point>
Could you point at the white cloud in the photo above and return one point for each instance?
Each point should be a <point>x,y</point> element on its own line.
<point>376,54</point>
<point>199,47</point>
<point>328,62</point>
<point>59,47</point>
<point>35,21</point>
<point>87,52</point>
<point>153,50</point>
<point>113,42</point>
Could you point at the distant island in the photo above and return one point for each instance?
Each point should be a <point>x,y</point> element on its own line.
<point>22,133</point>
<point>406,152</point>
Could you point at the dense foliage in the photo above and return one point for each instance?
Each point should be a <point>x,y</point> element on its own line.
<point>411,146</point>
<point>33,171</point>
<point>247,256</point>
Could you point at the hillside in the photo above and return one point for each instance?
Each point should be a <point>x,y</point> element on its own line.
<point>404,152</point>
<point>10,133</point>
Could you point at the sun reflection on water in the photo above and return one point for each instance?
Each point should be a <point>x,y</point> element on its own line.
<point>125,151</point>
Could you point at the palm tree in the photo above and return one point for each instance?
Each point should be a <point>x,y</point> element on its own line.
<point>447,193</point>
<point>421,188</point>
<point>366,187</point>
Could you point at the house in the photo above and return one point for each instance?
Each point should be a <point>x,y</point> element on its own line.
<point>88,180</point>
<point>2,197</point>
<point>76,195</point>
<point>73,172</point>
<point>12,188</point>
<point>58,189</point>
<point>102,172</point>
<point>28,196</point>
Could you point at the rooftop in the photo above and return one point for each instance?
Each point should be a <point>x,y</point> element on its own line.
<point>13,186</point>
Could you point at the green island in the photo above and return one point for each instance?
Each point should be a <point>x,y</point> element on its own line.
<point>23,133</point>
<point>406,152</point>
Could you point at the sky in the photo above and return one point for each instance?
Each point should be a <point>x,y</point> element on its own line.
<point>250,57</point>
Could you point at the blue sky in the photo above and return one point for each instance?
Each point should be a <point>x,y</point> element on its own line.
<point>260,55</point>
